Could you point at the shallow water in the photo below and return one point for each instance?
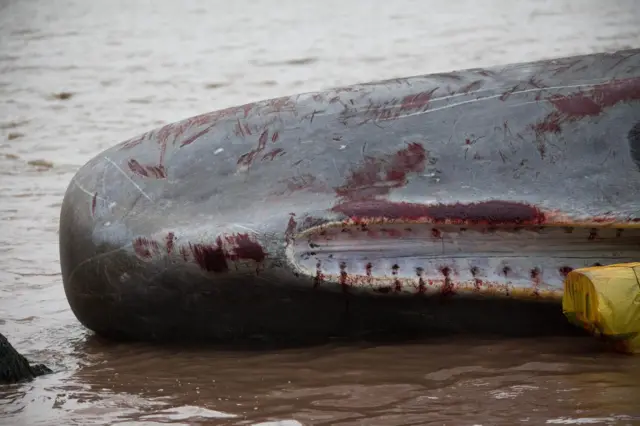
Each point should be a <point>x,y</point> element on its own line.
<point>79,76</point>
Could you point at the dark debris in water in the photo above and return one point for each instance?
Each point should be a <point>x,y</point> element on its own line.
<point>41,164</point>
<point>13,124</point>
<point>217,85</point>
<point>14,135</point>
<point>62,96</point>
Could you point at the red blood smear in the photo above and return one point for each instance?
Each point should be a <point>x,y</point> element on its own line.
<point>289,233</point>
<point>397,285</point>
<point>417,101</point>
<point>195,137</point>
<point>271,155</point>
<point>477,281</point>
<point>535,277</point>
<point>535,274</point>
<point>447,287</point>
<point>94,201</point>
<point>551,124</point>
<point>319,275</point>
<point>590,103</point>
<point>211,119</point>
<point>134,141</point>
<point>368,269</point>
<point>240,129</point>
<point>171,132</point>
<point>378,175</point>
<point>343,274</point>
<point>184,252</point>
<point>169,241</point>
<point>244,248</point>
<point>487,212</point>
<point>157,172</point>
<point>247,159</point>
<point>144,247</point>
<point>422,288</point>
<point>576,105</point>
<point>136,168</point>
<point>209,257</point>
<point>564,271</point>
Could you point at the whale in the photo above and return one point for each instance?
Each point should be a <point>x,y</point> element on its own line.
<point>455,200</point>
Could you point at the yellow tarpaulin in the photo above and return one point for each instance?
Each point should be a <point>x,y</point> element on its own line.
<point>605,300</point>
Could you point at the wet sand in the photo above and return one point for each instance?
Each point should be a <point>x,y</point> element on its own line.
<point>79,76</point>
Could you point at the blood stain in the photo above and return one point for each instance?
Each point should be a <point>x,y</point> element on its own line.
<point>564,270</point>
<point>488,212</point>
<point>145,248</point>
<point>209,257</point>
<point>94,201</point>
<point>156,172</point>
<point>378,175</point>
<point>169,242</point>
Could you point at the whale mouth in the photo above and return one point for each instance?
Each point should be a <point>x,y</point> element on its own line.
<point>420,258</point>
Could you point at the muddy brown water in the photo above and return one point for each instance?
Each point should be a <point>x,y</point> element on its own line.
<point>79,76</point>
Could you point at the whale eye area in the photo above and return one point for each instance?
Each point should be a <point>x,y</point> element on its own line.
<point>634,143</point>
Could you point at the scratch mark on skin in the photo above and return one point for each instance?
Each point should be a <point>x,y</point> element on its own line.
<point>617,64</point>
<point>246,228</point>
<point>94,202</point>
<point>117,288</point>
<point>98,256</point>
<point>335,166</point>
<point>195,137</point>
<point>362,109</point>
<point>90,194</point>
<point>103,181</point>
<point>128,178</point>
<point>471,101</point>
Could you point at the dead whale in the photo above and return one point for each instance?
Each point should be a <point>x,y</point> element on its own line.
<point>393,202</point>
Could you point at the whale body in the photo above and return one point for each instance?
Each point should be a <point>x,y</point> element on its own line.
<point>405,201</point>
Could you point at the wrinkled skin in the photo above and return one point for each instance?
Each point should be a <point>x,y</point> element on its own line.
<point>14,367</point>
<point>391,204</point>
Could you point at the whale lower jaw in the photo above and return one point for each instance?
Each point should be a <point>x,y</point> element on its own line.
<point>421,258</point>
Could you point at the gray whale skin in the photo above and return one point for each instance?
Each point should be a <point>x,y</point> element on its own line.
<point>454,201</point>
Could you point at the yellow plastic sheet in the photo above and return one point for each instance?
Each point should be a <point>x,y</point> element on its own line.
<point>605,300</point>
